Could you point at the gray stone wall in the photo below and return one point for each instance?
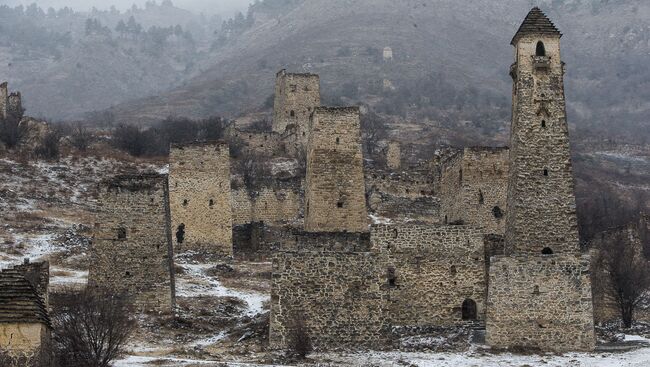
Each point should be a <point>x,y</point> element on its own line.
<point>335,191</point>
<point>540,302</point>
<point>4,95</point>
<point>473,188</point>
<point>132,249</point>
<point>200,199</point>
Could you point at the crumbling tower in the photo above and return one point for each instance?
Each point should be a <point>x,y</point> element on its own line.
<point>199,196</point>
<point>539,293</point>
<point>335,192</point>
<point>296,96</point>
<point>15,105</point>
<point>132,250</point>
<point>4,100</point>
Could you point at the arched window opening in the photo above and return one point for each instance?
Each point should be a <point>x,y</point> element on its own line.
<point>545,172</point>
<point>540,50</point>
<point>292,113</point>
<point>497,212</point>
<point>469,309</point>
<point>180,233</point>
<point>544,123</point>
<point>547,251</point>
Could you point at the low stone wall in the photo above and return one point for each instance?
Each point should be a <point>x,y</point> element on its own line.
<point>541,301</point>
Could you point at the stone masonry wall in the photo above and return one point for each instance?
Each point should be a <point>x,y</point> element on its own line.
<point>296,96</point>
<point>436,269</point>
<point>540,302</point>
<point>393,155</point>
<point>15,104</point>
<point>274,205</point>
<point>200,198</point>
<point>473,188</point>
<point>4,99</point>
<point>335,189</point>
<point>132,250</point>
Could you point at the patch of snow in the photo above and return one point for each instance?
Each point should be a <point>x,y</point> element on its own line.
<point>202,343</point>
<point>195,282</point>
<point>164,170</point>
<point>636,338</point>
<point>36,248</point>
<point>621,156</point>
<point>379,220</point>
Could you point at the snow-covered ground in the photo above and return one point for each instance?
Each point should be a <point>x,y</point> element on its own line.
<point>195,282</point>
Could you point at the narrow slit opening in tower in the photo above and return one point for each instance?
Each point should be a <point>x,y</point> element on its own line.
<point>292,113</point>
<point>497,212</point>
<point>180,233</point>
<point>544,123</point>
<point>545,172</point>
<point>469,309</point>
<point>540,50</point>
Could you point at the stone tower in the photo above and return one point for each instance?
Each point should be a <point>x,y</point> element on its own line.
<point>539,293</point>
<point>199,197</point>
<point>132,250</point>
<point>296,96</point>
<point>541,204</point>
<point>4,100</point>
<point>15,105</point>
<point>335,191</point>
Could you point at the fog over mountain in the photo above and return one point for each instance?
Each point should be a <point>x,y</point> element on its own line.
<point>205,6</point>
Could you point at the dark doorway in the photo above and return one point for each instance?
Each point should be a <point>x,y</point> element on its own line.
<point>541,50</point>
<point>180,233</point>
<point>469,309</point>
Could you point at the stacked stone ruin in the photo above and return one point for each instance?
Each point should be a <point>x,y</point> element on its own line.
<point>10,103</point>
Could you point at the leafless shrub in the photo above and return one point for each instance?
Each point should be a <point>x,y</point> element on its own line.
<point>80,137</point>
<point>91,327</point>
<point>628,275</point>
<point>48,147</point>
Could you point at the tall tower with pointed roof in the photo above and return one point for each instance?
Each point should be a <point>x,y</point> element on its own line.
<point>539,293</point>
<point>541,215</point>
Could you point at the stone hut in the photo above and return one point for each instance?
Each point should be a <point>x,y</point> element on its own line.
<point>25,329</point>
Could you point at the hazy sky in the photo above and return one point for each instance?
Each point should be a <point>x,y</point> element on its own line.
<point>207,6</point>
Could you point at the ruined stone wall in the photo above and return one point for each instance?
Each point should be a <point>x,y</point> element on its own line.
<point>264,143</point>
<point>337,294</point>
<point>412,184</point>
<point>132,250</point>
<point>274,205</point>
<point>540,302</point>
<point>398,209</point>
<point>335,190</point>
<point>541,202</point>
<point>393,155</point>
<point>473,188</point>
<point>296,96</point>
<point>15,104</point>
<point>4,99</point>
<point>436,269</point>
<point>200,199</point>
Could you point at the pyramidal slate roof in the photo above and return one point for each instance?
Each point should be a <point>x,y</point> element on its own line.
<point>536,22</point>
<point>19,300</point>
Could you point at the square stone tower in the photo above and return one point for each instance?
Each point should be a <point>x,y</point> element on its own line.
<point>539,293</point>
<point>296,96</point>
<point>335,199</point>
<point>132,249</point>
<point>199,197</point>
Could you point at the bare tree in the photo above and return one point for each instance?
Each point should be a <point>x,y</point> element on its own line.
<point>91,327</point>
<point>628,275</point>
<point>80,137</point>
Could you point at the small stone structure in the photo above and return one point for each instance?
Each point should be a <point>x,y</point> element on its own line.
<point>388,54</point>
<point>393,155</point>
<point>132,250</point>
<point>200,197</point>
<point>473,188</point>
<point>296,96</point>
<point>539,293</point>
<point>25,329</point>
<point>335,190</point>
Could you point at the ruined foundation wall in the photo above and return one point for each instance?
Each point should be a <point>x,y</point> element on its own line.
<point>200,199</point>
<point>132,250</point>
<point>541,301</point>
<point>473,188</point>
<point>335,189</point>
<point>436,269</point>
